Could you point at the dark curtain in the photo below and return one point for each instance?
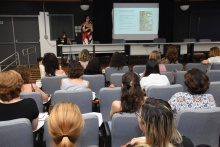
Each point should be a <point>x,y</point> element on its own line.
<point>166,19</point>
<point>102,16</point>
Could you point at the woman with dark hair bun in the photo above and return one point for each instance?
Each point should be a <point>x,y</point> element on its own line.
<point>197,83</point>
<point>132,96</point>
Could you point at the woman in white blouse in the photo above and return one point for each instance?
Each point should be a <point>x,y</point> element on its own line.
<point>152,76</point>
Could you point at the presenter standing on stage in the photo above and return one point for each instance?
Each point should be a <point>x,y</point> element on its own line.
<point>87,29</point>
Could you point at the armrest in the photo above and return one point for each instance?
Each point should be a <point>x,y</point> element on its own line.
<point>104,135</point>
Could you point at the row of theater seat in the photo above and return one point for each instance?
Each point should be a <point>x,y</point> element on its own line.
<point>201,126</point>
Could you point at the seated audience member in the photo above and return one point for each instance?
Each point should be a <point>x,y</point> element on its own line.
<point>155,55</point>
<point>132,96</point>
<point>74,80</point>
<point>28,86</point>
<point>214,55</point>
<point>197,83</point>
<point>84,58</point>
<point>65,125</point>
<point>171,56</point>
<point>93,67</point>
<point>156,120</point>
<point>11,105</point>
<point>66,41</point>
<point>152,76</point>
<point>50,66</point>
<point>117,61</point>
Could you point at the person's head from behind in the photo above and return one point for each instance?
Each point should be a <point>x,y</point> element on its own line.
<point>65,124</point>
<point>172,54</point>
<point>63,35</point>
<point>152,67</point>
<point>10,85</point>
<point>155,55</point>
<point>93,67</point>
<point>157,121</point>
<point>24,72</point>
<point>214,51</point>
<point>50,63</point>
<point>84,55</point>
<point>196,81</point>
<point>117,61</point>
<point>75,69</point>
<point>132,96</point>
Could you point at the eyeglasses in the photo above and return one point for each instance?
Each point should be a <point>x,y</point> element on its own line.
<point>137,114</point>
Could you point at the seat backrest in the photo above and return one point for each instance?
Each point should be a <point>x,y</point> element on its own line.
<point>168,74</point>
<point>111,70</point>
<point>214,88</point>
<point>36,96</point>
<point>200,66</point>
<point>189,40</point>
<point>214,75</point>
<point>179,79</point>
<point>115,79</point>
<point>172,67</point>
<point>89,135</point>
<point>51,84</point>
<point>205,40</point>
<point>82,98</point>
<point>96,82</point>
<point>107,96</point>
<point>124,128</point>
<point>164,92</point>
<point>118,41</point>
<point>139,68</point>
<point>215,66</point>
<point>200,125</point>
<point>159,40</point>
<point>16,132</point>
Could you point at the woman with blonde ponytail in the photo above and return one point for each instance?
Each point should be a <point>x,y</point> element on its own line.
<point>132,96</point>
<point>65,124</point>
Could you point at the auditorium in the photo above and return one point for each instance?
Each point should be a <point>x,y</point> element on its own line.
<point>110,73</point>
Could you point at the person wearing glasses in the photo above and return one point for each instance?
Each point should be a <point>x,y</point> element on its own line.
<point>156,120</point>
<point>87,30</point>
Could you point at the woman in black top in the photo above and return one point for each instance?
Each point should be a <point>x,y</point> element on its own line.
<point>11,105</point>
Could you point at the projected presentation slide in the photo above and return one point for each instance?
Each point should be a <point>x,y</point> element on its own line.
<point>135,19</point>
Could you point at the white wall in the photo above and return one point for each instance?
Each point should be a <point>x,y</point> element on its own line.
<point>45,44</point>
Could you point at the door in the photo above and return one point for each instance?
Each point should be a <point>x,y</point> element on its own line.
<point>22,32</point>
